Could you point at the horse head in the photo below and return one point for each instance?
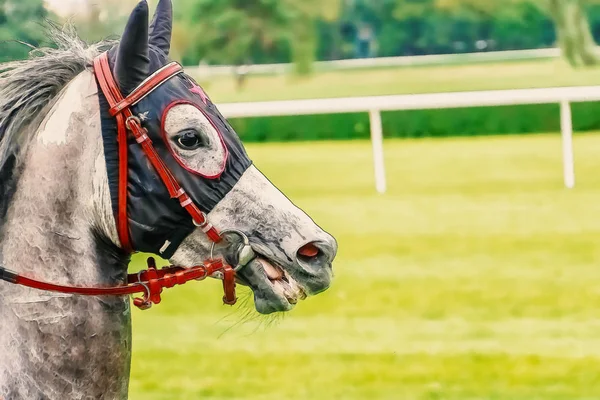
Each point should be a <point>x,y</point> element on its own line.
<point>81,189</point>
<point>292,254</point>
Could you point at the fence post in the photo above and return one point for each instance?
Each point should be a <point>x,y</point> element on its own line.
<point>566,128</point>
<point>377,142</point>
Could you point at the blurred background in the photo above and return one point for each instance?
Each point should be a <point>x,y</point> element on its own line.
<point>475,276</point>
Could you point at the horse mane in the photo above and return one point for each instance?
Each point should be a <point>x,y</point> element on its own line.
<point>27,90</point>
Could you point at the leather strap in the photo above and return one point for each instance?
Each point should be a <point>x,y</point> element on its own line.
<point>151,282</point>
<point>146,87</point>
<point>113,95</point>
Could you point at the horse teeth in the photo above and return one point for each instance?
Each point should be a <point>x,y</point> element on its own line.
<point>272,272</point>
<point>283,282</point>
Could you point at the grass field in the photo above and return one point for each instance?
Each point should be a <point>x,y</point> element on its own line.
<point>476,277</point>
<point>419,79</point>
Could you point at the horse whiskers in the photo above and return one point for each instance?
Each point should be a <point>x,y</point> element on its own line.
<point>242,307</point>
<point>249,315</point>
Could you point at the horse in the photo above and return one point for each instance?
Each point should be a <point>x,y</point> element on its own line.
<point>107,150</point>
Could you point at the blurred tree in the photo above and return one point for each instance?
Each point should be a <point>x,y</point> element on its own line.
<point>103,19</point>
<point>20,20</point>
<point>574,34</point>
<point>238,32</point>
<point>229,31</point>
<point>569,16</point>
<point>270,31</point>
<point>305,41</point>
<point>474,25</point>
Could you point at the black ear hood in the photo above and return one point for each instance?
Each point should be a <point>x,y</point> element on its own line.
<point>161,28</point>
<point>157,223</point>
<point>132,63</point>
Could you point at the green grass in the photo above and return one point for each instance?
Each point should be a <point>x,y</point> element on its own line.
<point>419,79</point>
<point>476,277</point>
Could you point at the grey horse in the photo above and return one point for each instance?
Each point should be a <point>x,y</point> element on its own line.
<point>57,222</point>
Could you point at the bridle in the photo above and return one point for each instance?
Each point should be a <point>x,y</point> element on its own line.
<point>151,281</point>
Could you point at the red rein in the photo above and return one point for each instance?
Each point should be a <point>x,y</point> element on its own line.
<point>152,281</point>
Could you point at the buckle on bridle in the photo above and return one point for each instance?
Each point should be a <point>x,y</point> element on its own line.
<point>143,303</point>
<point>134,119</point>
<point>153,280</point>
<point>204,225</point>
<point>245,254</point>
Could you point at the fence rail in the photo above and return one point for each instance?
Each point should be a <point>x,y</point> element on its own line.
<point>380,62</point>
<point>374,105</point>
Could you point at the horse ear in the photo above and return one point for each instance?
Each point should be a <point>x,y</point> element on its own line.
<point>162,26</point>
<point>132,65</point>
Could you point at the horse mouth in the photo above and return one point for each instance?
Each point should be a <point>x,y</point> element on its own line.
<point>275,290</point>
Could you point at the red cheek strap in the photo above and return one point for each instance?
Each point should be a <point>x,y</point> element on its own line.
<point>126,121</point>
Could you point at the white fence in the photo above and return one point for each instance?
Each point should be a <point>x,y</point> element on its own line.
<point>376,104</point>
<point>206,71</point>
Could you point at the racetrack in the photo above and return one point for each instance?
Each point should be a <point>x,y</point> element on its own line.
<point>476,277</point>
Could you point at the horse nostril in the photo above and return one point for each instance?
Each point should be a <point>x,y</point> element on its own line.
<point>316,254</point>
<point>309,251</point>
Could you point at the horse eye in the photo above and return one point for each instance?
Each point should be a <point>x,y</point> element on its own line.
<point>189,140</point>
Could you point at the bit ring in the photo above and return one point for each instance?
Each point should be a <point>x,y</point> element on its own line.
<point>245,240</point>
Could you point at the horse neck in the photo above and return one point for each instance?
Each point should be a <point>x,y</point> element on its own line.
<point>57,229</point>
